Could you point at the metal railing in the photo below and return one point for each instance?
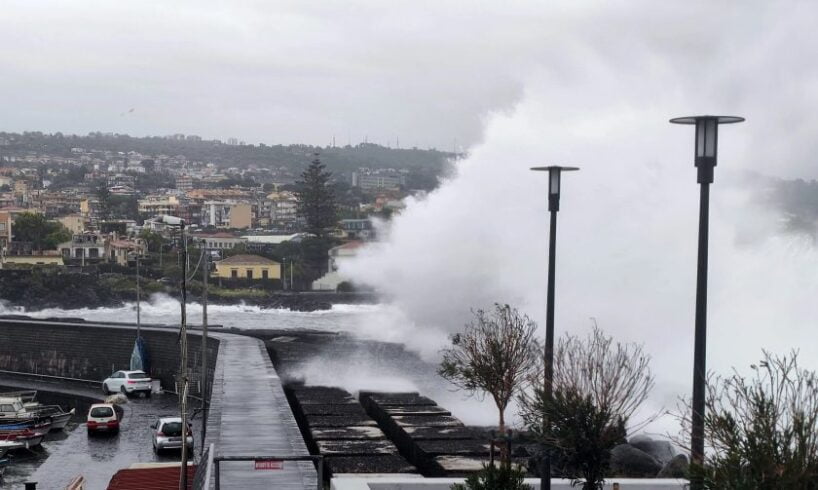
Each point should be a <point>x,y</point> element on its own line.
<point>317,459</point>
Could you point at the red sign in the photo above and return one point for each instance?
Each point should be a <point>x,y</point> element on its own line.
<point>269,464</point>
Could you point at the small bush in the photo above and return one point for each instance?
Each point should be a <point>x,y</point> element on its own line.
<point>491,477</point>
<point>762,431</point>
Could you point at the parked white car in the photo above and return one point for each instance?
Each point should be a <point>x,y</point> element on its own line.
<point>167,434</point>
<point>127,382</point>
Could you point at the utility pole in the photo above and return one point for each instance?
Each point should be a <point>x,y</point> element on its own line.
<point>138,306</point>
<point>183,376</point>
<point>183,400</point>
<point>203,392</point>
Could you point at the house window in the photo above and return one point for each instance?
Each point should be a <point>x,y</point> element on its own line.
<point>93,253</point>
<point>249,273</point>
<point>264,274</point>
<point>234,273</point>
<point>78,253</point>
<point>2,227</point>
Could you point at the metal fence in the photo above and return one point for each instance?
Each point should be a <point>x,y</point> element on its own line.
<point>201,479</point>
<point>317,459</point>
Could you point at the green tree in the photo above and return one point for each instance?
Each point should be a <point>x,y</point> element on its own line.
<point>104,197</point>
<point>597,387</point>
<point>153,240</point>
<point>316,199</point>
<point>762,431</point>
<point>41,233</point>
<point>495,355</point>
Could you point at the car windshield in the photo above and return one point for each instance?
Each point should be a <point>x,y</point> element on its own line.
<point>137,375</point>
<point>172,429</point>
<point>101,412</point>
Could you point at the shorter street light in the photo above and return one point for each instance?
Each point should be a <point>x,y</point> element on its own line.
<point>554,176</point>
<point>705,158</point>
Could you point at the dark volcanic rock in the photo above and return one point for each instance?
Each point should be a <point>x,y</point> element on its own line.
<point>628,461</point>
<point>675,468</point>
<point>661,450</point>
<point>381,463</point>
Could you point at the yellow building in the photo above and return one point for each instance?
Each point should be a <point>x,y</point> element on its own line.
<point>251,267</point>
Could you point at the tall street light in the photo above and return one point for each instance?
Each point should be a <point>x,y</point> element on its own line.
<point>183,377</point>
<point>554,175</point>
<point>705,151</point>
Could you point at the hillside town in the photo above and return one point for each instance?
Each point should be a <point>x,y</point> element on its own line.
<point>106,207</point>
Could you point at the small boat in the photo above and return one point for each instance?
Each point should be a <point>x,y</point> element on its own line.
<point>18,405</point>
<point>13,410</point>
<point>28,437</point>
<point>59,417</point>
<point>6,446</point>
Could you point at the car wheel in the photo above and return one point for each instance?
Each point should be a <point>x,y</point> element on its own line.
<point>105,389</point>
<point>147,394</point>
<point>124,391</point>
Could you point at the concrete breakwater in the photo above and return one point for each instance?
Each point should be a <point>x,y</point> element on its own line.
<point>93,351</point>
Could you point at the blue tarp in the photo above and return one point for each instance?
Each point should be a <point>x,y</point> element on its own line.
<point>139,357</point>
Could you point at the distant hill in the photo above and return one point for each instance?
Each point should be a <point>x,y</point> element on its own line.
<point>342,161</point>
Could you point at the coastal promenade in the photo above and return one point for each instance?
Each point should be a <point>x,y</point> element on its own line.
<point>249,414</point>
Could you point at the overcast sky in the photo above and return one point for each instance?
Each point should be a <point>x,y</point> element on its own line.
<point>428,73</point>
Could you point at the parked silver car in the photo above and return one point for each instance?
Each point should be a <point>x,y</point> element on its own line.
<point>167,434</point>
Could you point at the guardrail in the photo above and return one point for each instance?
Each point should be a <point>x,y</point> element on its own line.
<point>272,463</point>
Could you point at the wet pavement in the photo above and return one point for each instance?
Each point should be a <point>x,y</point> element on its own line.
<point>249,416</point>
<point>73,452</point>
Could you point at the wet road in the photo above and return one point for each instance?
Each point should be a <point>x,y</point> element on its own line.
<point>66,455</point>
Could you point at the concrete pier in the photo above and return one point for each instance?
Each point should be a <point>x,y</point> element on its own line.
<point>249,415</point>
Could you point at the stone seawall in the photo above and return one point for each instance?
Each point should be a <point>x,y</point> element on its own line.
<point>93,351</point>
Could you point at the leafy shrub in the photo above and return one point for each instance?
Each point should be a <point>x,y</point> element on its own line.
<point>762,432</point>
<point>491,477</point>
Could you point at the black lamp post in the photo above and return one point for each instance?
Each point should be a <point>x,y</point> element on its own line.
<point>706,151</point>
<point>554,176</point>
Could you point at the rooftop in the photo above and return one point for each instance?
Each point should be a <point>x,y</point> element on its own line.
<point>247,260</point>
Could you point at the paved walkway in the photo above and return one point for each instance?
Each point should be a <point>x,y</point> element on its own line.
<point>249,415</point>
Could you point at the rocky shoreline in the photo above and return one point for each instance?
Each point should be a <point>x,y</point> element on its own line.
<point>72,291</point>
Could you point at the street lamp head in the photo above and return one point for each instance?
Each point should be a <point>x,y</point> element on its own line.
<point>554,177</point>
<point>707,141</point>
